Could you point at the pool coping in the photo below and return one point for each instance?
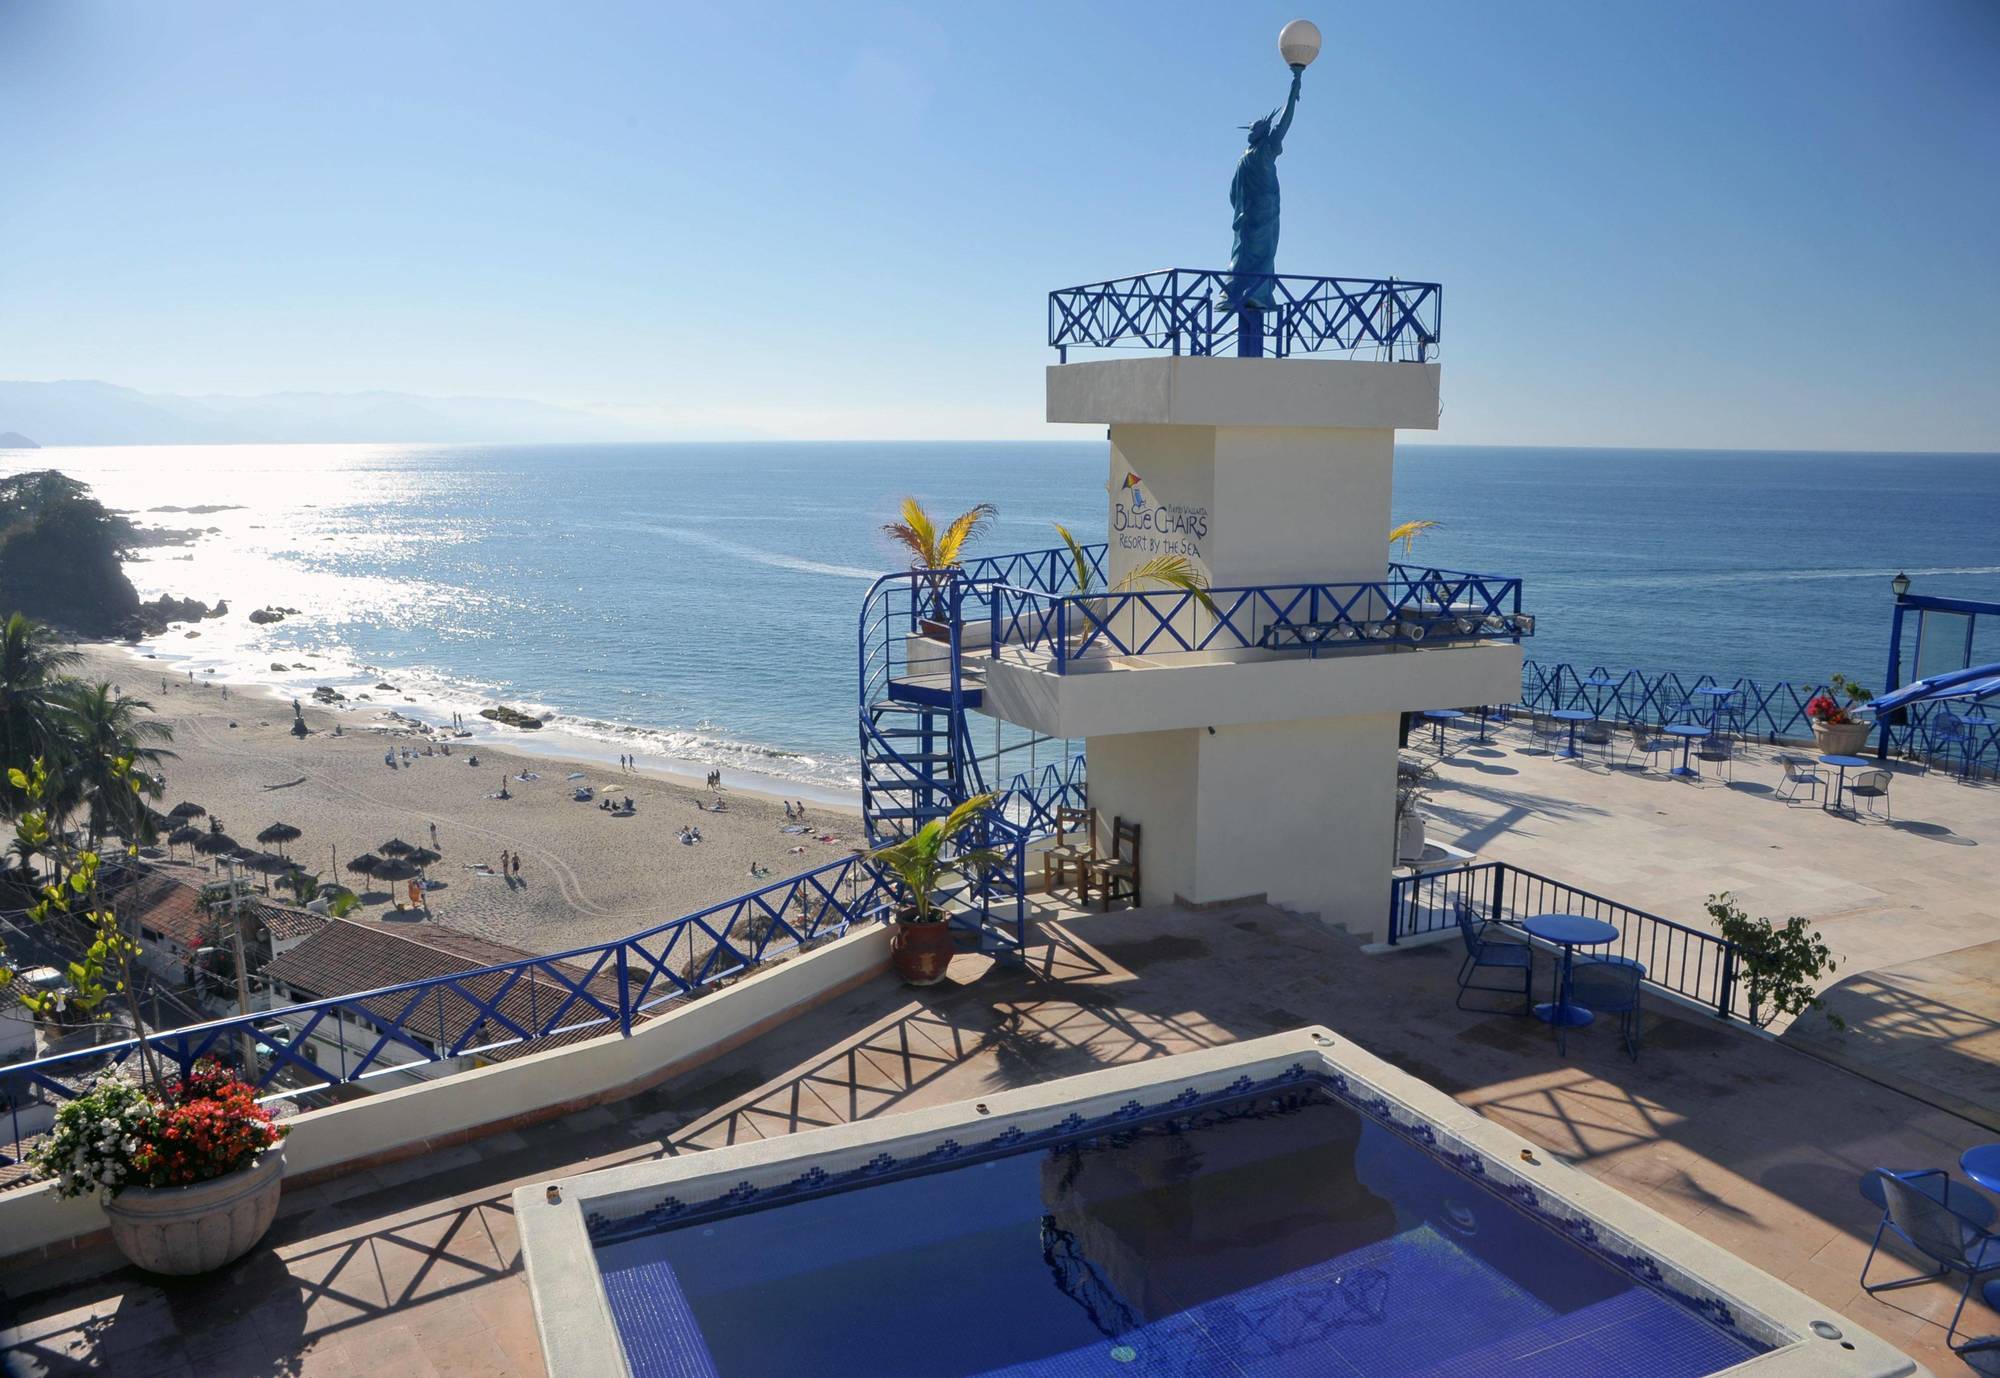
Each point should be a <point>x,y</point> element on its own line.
<point>579,1335</point>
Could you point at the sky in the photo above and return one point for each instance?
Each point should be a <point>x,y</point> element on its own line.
<point>1702,223</point>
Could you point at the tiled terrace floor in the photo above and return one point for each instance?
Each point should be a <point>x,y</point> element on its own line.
<point>414,1270</point>
<point>1910,907</point>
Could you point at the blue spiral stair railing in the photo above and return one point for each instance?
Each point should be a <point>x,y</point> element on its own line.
<point>917,758</point>
<point>917,761</point>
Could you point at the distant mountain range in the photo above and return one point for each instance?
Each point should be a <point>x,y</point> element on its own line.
<point>86,412</point>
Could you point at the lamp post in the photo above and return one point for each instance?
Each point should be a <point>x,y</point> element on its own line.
<point>1892,680</point>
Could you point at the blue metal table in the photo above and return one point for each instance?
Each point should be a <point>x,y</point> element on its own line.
<point>1688,733</point>
<point>1982,1165</point>
<point>1572,716</point>
<point>1718,698</point>
<point>1598,682</point>
<point>1439,718</point>
<point>1842,764</point>
<point>1569,932</point>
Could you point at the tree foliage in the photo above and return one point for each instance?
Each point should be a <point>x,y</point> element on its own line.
<point>1780,964</point>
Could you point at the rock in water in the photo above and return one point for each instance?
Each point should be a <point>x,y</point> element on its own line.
<point>510,717</point>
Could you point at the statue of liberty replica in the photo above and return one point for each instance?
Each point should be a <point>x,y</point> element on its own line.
<point>1253,197</point>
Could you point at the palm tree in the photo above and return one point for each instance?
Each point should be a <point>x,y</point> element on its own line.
<point>32,666</point>
<point>933,547</point>
<point>96,730</point>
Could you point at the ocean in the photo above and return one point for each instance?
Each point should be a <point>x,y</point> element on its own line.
<point>698,602</point>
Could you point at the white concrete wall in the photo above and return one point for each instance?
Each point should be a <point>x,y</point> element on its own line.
<point>1302,812</point>
<point>1153,779</point>
<point>400,1121</point>
<point>1301,506</point>
<point>1171,391</point>
<point>1262,686</point>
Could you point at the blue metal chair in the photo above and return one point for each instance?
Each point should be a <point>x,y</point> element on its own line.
<point>1801,772</point>
<point>1649,742</point>
<point>1608,985</point>
<point>1872,785</point>
<point>1484,949</point>
<point>1916,1207</point>
<point>1945,735</point>
<point>1719,751</point>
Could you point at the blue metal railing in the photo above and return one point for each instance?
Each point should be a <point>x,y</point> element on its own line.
<point>1689,962</point>
<point>487,1012</point>
<point>1774,710</point>
<point>1412,605</point>
<point>1045,571</point>
<point>1188,311</point>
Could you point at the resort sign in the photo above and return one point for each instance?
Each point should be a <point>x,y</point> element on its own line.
<point>1146,528</point>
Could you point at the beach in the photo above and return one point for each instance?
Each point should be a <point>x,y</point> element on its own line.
<point>586,875</point>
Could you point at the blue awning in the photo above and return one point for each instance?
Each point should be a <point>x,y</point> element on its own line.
<point>1975,683</point>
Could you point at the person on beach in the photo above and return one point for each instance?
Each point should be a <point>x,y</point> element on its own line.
<point>517,866</point>
<point>790,817</point>
<point>503,863</point>
<point>416,893</point>
<point>434,839</point>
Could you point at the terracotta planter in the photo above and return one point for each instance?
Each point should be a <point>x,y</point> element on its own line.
<point>197,1229</point>
<point>1842,739</point>
<point>921,952</point>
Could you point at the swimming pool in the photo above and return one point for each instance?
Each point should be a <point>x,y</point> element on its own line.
<point>1286,1206</point>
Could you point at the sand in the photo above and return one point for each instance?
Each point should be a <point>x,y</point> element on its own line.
<point>586,876</point>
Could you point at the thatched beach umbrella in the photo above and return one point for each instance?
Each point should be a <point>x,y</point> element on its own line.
<point>184,809</point>
<point>279,834</point>
<point>215,844</point>
<point>395,868</point>
<point>395,846</point>
<point>367,864</point>
<point>186,835</point>
<point>423,858</point>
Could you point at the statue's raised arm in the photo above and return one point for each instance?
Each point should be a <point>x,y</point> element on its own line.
<point>1285,121</point>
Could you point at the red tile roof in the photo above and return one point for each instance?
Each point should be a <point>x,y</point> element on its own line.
<point>166,904</point>
<point>349,955</point>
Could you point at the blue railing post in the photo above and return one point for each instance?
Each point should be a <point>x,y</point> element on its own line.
<point>1727,997</point>
<point>1497,902</point>
<point>1062,635</point>
<point>1396,900</point>
<point>624,993</point>
<point>993,597</point>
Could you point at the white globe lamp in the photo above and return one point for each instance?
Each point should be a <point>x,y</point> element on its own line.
<point>1298,44</point>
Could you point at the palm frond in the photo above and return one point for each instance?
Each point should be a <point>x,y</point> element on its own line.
<point>1079,562</point>
<point>1407,532</point>
<point>963,528</point>
<point>916,533</point>
<point>1175,571</point>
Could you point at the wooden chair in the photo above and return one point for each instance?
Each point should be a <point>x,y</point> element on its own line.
<point>1067,855</point>
<point>1118,873</point>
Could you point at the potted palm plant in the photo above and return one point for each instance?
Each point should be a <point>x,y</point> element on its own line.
<point>921,946</point>
<point>937,549</point>
<point>1834,725</point>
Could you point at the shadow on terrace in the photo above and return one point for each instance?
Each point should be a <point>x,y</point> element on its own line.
<point>414,1268</point>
